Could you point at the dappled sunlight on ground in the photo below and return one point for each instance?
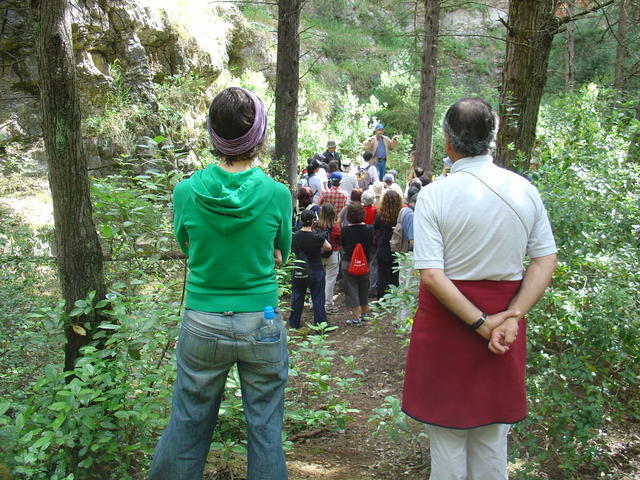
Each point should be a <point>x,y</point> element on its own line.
<point>32,204</point>
<point>315,470</point>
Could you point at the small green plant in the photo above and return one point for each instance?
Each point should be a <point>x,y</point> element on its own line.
<point>401,301</point>
<point>389,420</point>
<point>316,398</point>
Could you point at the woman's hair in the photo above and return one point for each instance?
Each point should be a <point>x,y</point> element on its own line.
<point>418,172</point>
<point>355,213</point>
<point>391,205</point>
<point>307,217</point>
<point>328,216</point>
<point>368,197</point>
<point>356,195</point>
<point>231,115</point>
<point>416,182</point>
<point>305,197</point>
<point>412,194</point>
<point>312,165</point>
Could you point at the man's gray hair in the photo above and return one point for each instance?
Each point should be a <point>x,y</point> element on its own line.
<point>471,124</point>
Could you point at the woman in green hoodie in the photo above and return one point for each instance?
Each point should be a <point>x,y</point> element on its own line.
<point>234,224</point>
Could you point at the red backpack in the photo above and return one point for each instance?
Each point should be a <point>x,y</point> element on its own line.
<point>358,265</point>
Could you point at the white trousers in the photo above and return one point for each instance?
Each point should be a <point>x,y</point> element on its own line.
<point>331,267</point>
<point>474,454</point>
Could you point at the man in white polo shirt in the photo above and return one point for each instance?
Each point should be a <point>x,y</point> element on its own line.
<point>466,359</point>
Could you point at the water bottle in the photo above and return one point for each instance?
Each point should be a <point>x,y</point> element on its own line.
<point>269,330</point>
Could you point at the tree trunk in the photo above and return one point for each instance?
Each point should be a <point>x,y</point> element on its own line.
<point>621,48</point>
<point>428,76</point>
<point>287,85</point>
<point>531,27</point>
<point>570,51</point>
<point>79,256</point>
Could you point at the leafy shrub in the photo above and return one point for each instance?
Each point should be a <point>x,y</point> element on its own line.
<point>584,331</point>
<point>98,420</point>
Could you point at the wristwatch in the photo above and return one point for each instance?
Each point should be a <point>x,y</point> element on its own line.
<point>478,323</point>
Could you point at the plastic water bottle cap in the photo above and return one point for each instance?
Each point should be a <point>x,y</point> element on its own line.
<point>269,312</point>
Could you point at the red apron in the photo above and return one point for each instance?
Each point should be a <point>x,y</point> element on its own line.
<point>452,379</point>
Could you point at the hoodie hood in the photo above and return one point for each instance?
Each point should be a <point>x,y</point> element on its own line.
<point>231,200</point>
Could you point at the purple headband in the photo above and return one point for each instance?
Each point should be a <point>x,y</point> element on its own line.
<point>255,135</point>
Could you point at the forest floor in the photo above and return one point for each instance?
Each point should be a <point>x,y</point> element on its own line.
<point>358,453</point>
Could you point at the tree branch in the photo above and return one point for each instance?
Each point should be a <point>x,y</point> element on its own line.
<point>571,18</point>
<point>316,60</point>
<point>509,29</point>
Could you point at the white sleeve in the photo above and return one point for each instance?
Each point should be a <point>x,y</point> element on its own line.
<point>540,242</point>
<point>428,247</point>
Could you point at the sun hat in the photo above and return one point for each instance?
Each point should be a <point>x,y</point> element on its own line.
<point>388,178</point>
<point>378,126</point>
<point>378,188</point>
<point>331,143</point>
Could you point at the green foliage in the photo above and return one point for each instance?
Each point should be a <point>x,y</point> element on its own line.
<point>122,118</point>
<point>389,420</point>
<point>182,108</point>
<point>348,123</point>
<point>133,212</point>
<point>400,302</point>
<point>96,421</point>
<point>315,397</point>
<point>399,91</point>
<point>596,35</point>
<point>584,332</point>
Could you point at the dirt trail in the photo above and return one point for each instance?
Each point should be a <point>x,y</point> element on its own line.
<point>357,454</point>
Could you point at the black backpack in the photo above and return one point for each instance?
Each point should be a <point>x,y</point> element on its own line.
<point>326,234</point>
<point>301,267</point>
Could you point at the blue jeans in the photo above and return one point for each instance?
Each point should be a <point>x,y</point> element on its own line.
<point>299,290</point>
<point>208,346</point>
<point>381,165</point>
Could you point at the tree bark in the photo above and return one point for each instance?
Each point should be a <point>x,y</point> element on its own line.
<point>428,77</point>
<point>621,48</point>
<point>570,50</point>
<point>531,27</point>
<point>287,86</point>
<point>79,255</point>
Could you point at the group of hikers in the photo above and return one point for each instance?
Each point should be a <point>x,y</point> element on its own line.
<point>338,207</point>
<point>469,232</point>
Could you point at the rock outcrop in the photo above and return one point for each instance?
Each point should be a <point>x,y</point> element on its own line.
<point>145,40</point>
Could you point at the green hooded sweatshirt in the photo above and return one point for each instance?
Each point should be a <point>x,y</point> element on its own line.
<point>228,224</point>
